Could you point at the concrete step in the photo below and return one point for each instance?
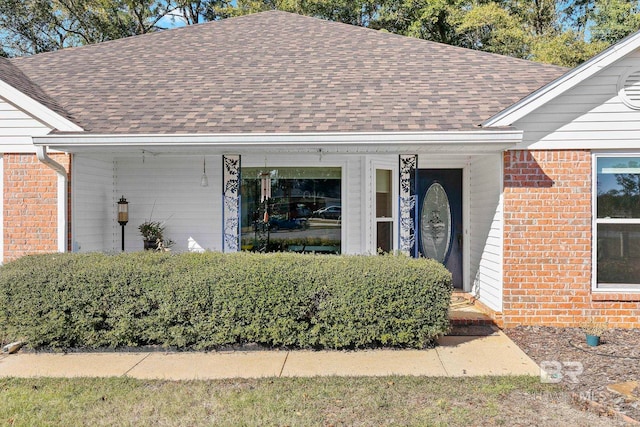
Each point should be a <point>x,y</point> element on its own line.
<point>467,320</point>
<point>472,330</point>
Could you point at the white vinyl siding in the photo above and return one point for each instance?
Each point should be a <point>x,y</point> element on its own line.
<point>92,199</point>
<point>167,188</point>
<point>485,229</point>
<point>591,113</point>
<point>17,128</point>
<point>170,187</point>
<point>353,203</point>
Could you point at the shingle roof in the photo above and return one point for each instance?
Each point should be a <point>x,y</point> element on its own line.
<point>11,75</point>
<point>280,72</point>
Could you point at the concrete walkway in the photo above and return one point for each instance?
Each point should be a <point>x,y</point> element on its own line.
<point>456,356</point>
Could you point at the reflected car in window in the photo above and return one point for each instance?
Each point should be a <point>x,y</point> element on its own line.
<point>278,223</point>
<point>330,212</point>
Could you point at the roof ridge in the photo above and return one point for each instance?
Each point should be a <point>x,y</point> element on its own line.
<point>155,33</point>
<point>228,21</point>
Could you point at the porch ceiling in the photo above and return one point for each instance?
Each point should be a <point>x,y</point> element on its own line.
<point>470,142</point>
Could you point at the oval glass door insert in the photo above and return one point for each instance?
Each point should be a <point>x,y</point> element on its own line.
<point>435,223</point>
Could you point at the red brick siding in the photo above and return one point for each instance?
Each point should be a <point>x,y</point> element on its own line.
<point>30,205</point>
<point>547,244</point>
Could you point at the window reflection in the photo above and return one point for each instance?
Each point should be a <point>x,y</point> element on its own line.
<point>618,221</point>
<point>291,209</point>
<point>384,211</point>
<point>618,253</point>
<point>618,187</point>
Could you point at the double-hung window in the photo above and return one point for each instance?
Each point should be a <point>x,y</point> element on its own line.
<point>617,222</point>
<point>384,210</point>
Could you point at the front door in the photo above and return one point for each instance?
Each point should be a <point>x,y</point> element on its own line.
<point>440,218</point>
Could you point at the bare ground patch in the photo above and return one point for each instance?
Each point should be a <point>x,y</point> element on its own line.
<point>616,360</point>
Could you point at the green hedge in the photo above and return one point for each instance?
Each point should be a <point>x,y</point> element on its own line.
<point>204,301</point>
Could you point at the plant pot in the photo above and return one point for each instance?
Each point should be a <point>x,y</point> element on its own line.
<point>150,245</point>
<point>593,340</point>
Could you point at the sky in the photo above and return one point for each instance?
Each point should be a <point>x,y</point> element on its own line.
<point>174,20</point>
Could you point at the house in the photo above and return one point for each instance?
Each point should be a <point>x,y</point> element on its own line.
<point>287,132</point>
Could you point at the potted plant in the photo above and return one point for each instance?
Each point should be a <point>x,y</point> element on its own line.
<point>594,331</point>
<point>153,234</point>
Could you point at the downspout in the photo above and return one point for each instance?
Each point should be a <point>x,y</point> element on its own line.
<point>41,152</point>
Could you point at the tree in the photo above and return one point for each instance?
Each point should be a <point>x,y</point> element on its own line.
<point>35,26</point>
<point>31,27</point>
<point>356,12</point>
<point>539,17</point>
<point>492,28</point>
<point>425,19</point>
<point>563,33</point>
<point>614,20</point>
<point>577,14</point>
<point>567,49</point>
<point>195,12</point>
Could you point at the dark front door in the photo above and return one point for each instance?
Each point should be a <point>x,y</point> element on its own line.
<point>440,218</point>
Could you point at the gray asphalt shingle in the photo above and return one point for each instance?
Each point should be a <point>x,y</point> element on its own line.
<point>279,72</point>
<point>11,75</point>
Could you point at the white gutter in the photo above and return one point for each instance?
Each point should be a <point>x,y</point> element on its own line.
<point>240,140</point>
<point>41,152</point>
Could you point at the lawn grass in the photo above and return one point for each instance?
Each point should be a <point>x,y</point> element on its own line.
<point>271,401</point>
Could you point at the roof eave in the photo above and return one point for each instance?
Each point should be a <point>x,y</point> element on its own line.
<point>34,108</point>
<point>381,141</point>
<point>503,135</point>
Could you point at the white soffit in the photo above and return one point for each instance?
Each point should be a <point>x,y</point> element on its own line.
<point>562,84</point>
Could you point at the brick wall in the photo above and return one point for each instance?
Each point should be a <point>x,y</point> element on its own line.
<point>30,205</point>
<point>547,244</point>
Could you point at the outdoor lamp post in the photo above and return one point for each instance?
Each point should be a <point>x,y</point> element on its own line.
<point>123,215</point>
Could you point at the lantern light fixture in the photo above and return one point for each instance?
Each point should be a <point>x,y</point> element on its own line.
<point>123,215</point>
<point>123,211</point>
<point>204,181</point>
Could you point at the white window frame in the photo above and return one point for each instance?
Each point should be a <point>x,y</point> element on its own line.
<point>606,287</point>
<point>386,163</point>
<point>386,219</point>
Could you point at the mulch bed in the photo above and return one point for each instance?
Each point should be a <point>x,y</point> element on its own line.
<point>615,360</point>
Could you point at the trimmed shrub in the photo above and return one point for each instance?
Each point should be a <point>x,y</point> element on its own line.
<point>209,300</point>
